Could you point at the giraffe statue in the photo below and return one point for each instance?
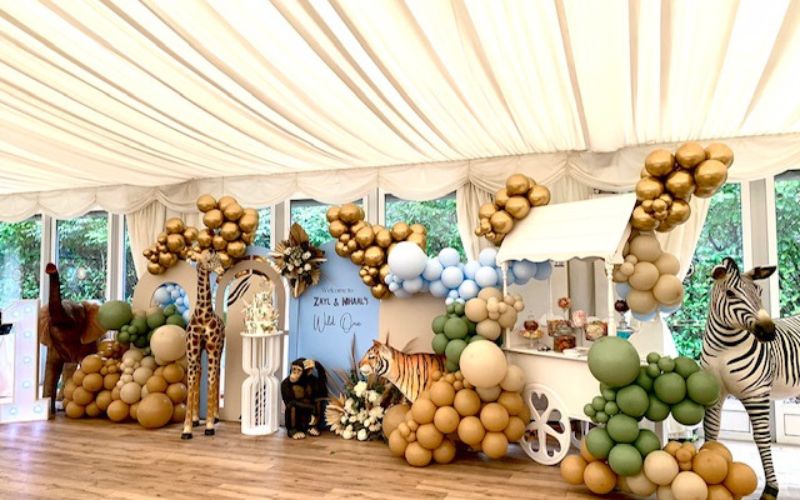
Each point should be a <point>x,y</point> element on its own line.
<point>206,330</point>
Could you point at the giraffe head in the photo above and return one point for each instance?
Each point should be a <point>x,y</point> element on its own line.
<point>736,299</point>
<point>211,262</point>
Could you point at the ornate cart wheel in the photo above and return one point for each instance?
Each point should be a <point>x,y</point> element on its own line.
<point>548,436</point>
<point>580,429</point>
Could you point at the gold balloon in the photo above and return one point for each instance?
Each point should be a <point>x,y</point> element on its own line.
<point>161,247</point>
<point>680,183</point>
<point>337,228</point>
<point>225,201</point>
<point>705,192</point>
<point>248,223</point>
<point>225,259</point>
<point>374,256</point>
<point>500,198</point>
<point>649,188</point>
<point>720,152</point>
<point>165,259</point>
<point>665,227</point>
<point>350,213</point>
<point>248,238</point>
<point>190,234</point>
<point>357,257</point>
<point>517,184</point>
<point>147,252</point>
<point>363,271</point>
<point>233,212</point>
<point>154,268</point>
<point>642,220</point>
<point>667,198</point>
<point>236,249</point>
<point>647,205</point>
<point>710,175</point>
<point>391,247</point>
<point>352,246</point>
<point>400,231</point>
<point>332,214</point>
<point>418,228</point>
<point>659,216</point>
<point>174,225</point>
<point>418,239</point>
<point>539,196</point>
<point>689,155</point>
<point>204,238</point>
<point>518,207</point>
<point>485,225</point>
<point>230,231</point>
<point>206,202</point>
<point>162,237</point>
<point>218,242</point>
<point>365,237</point>
<point>358,226</point>
<point>379,291</point>
<point>345,237</point>
<point>659,162</point>
<point>368,280</point>
<point>486,210</point>
<point>213,218</point>
<point>679,212</point>
<point>383,238</point>
<point>340,249</point>
<point>644,173</point>
<point>373,271</point>
<point>659,205</point>
<point>501,222</point>
<point>153,258</point>
<point>175,242</point>
<point>384,272</point>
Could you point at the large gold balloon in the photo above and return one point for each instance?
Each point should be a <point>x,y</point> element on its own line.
<point>418,228</point>
<point>213,218</point>
<point>517,184</point>
<point>501,222</point>
<point>337,228</point>
<point>720,152</point>
<point>365,237</point>
<point>350,213</point>
<point>400,231</point>
<point>332,214</point>
<point>190,234</point>
<point>649,188</point>
<point>248,238</point>
<point>379,291</point>
<point>418,239</point>
<point>642,220</point>
<point>248,223</point>
<point>225,201</point>
<point>357,257</point>
<point>175,242</point>
<point>174,225</point>
<point>710,175</point>
<point>680,183</point>
<point>218,242</point>
<point>679,212</point>
<point>500,198</point>
<point>539,196</point>
<point>659,162</point>
<point>154,268</point>
<point>206,202</point>
<point>236,249</point>
<point>204,238</point>
<point>383,238</point>
<point>230,231</point>
<point>689,155</point>
<point>167,260</point>
<point>486,210</point>
<point>358,226</point>
<point>374,256</point>
<point>233,211</point>
<point>161,238</point>
<point>518,207</point>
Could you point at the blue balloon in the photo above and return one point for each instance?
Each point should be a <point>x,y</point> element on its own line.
<point>407,260</point>
<point>425,286</point>
<point>622,290</point>
<point>468,290</point>
<point>453,294</point>
<point>161,296</point>
<point>449,257</point>
<point>510,276</point>
<point>393,287</point>
<point>175,294</point>
<point>170,287</point>
<point>644,317</point>
<point>543,270</point>
<point>452,277</point>
<point>438,289</point>
<point>486,277</point>
<point>524,270</point>
<point>488,257</point>
<point>186,316</point>
<point>181,308</point>
<point>433,270</point>
<point>401,294</point>
<point>470,268</point>
<point>412,286</point>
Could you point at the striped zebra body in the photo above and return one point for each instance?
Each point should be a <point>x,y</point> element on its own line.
<point>410,373</point>
<point>755,358</point>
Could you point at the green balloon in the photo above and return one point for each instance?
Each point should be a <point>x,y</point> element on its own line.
<point>633,401</point>
<point>589,410</point>
<point>687,412</point>
<point>458,308</point>
<point>703,388</point>
<point>653,370</point>
<point>670,388</point>
<point>601,417</point>
<point>170,310</point>
<point>135,331</point>
<point>614,361</point>
<point>470,327</point>
<point>438,323</point>
<point>150,336</point>
<point>625,460</point>
<point>113,314</point>
<point>140,323</point>
<point>647,442</point>
<point>599,443</point>
<point>622,428</point>
<point>125,328</point>
<point>666,364</point>
<point>609,394</point>
<point>685,367</point>
<point>141,341</point>
<point>657,411</point>
<point>156,319</point>
<point>643,380</point>
<point>603,387</point>
<point>476,338</point>
<point>439,343</point>
<point>123,337</point>
<point>598,403</point>
<point>611,408</point>
<point>176,319</point>
<point>451,308</point>
<point>454,349</point>
<point>653,358</point>
<point>450,366</point>
<point>455,328</point>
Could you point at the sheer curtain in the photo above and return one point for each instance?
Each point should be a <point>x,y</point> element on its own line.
<point>144,226</point>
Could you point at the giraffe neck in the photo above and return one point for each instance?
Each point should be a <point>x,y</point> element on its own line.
<point>203,290</point>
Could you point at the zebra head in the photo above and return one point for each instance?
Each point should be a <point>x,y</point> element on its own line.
<point>736,299</point>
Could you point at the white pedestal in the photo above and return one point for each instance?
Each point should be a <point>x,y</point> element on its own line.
<point>261,391</point>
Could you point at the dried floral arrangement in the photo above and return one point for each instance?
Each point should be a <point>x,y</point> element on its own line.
<point>298,260</point>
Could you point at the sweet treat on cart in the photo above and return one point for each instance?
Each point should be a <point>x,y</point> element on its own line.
<point>595,329</point>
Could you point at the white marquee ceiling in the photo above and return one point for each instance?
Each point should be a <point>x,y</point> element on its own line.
<point>149,93</point>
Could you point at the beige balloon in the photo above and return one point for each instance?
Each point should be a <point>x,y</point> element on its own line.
<point>644,277</point>
<point>641,302</point>
<point>668,264</point>
<point>668,290</point>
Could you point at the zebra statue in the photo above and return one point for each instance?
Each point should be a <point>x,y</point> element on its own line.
<point>755,358</point>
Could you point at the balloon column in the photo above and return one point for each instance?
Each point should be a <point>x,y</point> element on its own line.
<point>369,245</point>
<point>513,202</point>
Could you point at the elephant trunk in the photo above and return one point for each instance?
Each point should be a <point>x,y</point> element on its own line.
<point>58,316</point>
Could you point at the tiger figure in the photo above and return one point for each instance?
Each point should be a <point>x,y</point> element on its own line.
<point>410,373</point>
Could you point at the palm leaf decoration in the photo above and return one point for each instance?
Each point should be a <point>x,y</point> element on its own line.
<point>298,260</point>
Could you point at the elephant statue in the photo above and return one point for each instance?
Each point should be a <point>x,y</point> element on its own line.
<point>70,331</point>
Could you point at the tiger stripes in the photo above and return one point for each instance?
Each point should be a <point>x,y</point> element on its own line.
<point>410,373</point>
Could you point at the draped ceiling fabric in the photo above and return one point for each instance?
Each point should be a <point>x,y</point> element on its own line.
<point>119,103</point>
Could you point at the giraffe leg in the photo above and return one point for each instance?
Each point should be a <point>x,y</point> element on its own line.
<point>196,401</point>
<point>213,381</point>
<point>711,421</point>
<point>758,410</point>
<point>192,368</point>
<point>219,378</point>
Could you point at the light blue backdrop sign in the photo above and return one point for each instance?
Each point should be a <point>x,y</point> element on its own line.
<point>324,320</point>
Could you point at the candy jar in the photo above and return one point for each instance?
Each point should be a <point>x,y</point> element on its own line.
<point>564,339</point>
<point>531,331</point>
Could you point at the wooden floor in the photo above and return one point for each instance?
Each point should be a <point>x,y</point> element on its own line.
<point>68,459</point>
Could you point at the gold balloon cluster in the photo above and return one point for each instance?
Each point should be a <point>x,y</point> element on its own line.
<point>511,203</point>
<point>229,228</point>
<point>669,181</point>
<point>368,245</point>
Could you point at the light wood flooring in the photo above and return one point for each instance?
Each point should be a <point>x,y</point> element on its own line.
<point>84,459</point>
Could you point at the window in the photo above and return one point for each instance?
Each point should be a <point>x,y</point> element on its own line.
<point>83,256</point>
<point>263,233</point>
<point>130,278</point>
<point>721,237</point>
<point>438,216</point>
<point>787,225</point>
<point>311,215</point>
<point>20,245</point>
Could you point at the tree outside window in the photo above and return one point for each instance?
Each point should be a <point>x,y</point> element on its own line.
<point>263,234</point>
<point>312,216</point>
<point>20,245</point>
<point>83,256</point>
<point>787,218</point>
<point>130,276</point>
<point>438,216</point>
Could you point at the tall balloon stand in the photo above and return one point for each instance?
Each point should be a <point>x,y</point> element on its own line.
<point>261,398</point>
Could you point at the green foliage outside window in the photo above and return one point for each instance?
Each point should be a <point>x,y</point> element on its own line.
<point>19,260</point>
<point>311,215</point>
<point>263,236</point>
<point>131,277</point>
<point>438,216</point>
<point>83,256</point>
<point>787,211</point>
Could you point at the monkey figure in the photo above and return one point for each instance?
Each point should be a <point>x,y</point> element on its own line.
<point>301,395</point>
<point>319,389</point>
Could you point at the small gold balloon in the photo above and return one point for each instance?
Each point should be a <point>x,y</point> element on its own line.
<point>720,152</point>
<point>384,272</point>
<point>418,239</point>
<point>236,249</point>
<point>486,210</point>
<point>184,253</point>
<point>374,255</point>
<point>500,198</point>
<point>155,268</point>
<point>665,227</point>
<point>391,247</point>
<point>498,238</point>
<point>332,214</point>
<point>337,228</point>
<point>418,228</point>
<point>647,205</point>
<point>368,280</point>
<point>501,222</point>
<point>225,259</point>
<point>659,205</point>
<point>379,291</point>
<point>218,242</point>
<point>248,238</point>
<point>161,238</point>
<point>642,220</point>
<point>649,188</point>
<point>340,249</point>
<point>233,212</point>
<point>346,237</point>
<point>358,226</point>
<point>357,257</point>
<point>644,173</point>
<point>190,234</point>
<point>248,223</point>
<point>161,247</point>
<point>679,212</point>
<point>206,202</point>
<point>174,225</point>
<point>400,231</point>
<point>176,242</point>
<point>352,246</point>
<point>485,225</point>
<point>383,238</point>
<point>204,238</point>
<point>350,213</point>
<point>705,192</point>
<point>213,218</point>
<point>659,216</point>
<point>373,271</point>
<point>230,231</point>
<point>226,201</point>
<point>539,196</point>
<point>164,259</point>
<point>517,184</point>
<point>363,271</point>
<point>518,207</point>
<point>667,198</point>
<point>153,258</point>
<point>365,237</point>
<point>680,183</point>
<point>710,175</point>
<point>690,154</point>
<point>147,252</point>
<point>659,162</point>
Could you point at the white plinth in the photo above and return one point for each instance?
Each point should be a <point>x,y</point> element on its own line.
<point>261,391</point>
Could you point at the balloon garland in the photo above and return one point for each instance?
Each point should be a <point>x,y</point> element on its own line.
<point>369,245</point>
<point>511,203</point>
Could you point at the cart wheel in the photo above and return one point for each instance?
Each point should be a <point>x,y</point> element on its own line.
<point>580,429</point>
<point>547,437</point>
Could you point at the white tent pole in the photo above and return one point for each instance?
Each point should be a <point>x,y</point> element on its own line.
<point>612,323</point>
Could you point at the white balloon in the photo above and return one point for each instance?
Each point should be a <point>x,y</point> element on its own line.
<point>413,285</point>
<point>407,260</point>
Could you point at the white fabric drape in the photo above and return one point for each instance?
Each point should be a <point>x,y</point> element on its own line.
<point>469,199</point>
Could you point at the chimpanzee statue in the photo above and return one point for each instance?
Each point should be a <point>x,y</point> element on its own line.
<point>304,393</point>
